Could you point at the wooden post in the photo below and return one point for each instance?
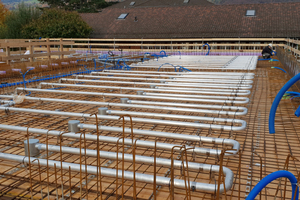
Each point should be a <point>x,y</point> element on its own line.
<point>61,47</point>
<point>31,52</point>
<point>8,54</point>
<point>48,49</point>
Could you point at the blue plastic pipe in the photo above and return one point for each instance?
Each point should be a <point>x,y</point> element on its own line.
<point>277,99</point>
<point>206,44</point>
<point>268,179</point>
<point>279,68</point>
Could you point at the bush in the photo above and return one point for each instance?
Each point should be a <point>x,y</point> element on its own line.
<point>55,23</point>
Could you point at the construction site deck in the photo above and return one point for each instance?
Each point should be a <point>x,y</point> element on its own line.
<point>169,127</point>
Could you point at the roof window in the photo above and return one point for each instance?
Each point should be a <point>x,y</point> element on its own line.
<point>132,3</point>
<point>250,13</point>
<point>186,1</point>
<point>123,16</point>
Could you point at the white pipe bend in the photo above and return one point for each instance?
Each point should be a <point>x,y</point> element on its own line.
<point>198,167</point>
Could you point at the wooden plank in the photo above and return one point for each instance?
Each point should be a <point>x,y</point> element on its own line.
<point>37,55</point>
<point>27,44</point>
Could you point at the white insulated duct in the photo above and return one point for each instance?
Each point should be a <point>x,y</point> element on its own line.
<point>245,99</point>
<point>143,159</point>
<point>135,96</point>
<point>139,143</point>
<point>241,74</point>
<point>223,110</point>
<point>144,120</point>
<point>222,76</point>
<point>173,84</point>
<point>145,178</point>
<point>188,80</point>
<point>177,90</point>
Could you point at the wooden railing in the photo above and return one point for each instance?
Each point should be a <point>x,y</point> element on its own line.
<point>27,49</point>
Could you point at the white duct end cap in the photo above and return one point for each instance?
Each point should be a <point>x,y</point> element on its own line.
<point>73,126</point>
<point>124,100</point>
<point>140,92</point>
<point>32,149</point>
<point>102,111</point>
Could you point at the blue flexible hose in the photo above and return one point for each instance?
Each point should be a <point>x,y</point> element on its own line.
<point>268,179</point>
<point>277,99</point>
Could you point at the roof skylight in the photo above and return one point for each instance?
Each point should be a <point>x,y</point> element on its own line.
<point>132,3</point>
<point>186,1</point>
<point>250,13</point>
<point>123,16</point>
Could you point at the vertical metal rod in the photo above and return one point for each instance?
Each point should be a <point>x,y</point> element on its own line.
<point>172,172</point>
<point>98,159</point>
<point>70,183</point>
<point>117,168</point>
<point>123,152</point>
<point>40,176</point>
<point>260,171</point>
<point>240,165</point>
<point>183,171</point>
<point>187,169</point>
<point>61,160</point>
<point>220,173</point>
<point>55,177</point>
<point>154,178</point>
<point>29,163</point>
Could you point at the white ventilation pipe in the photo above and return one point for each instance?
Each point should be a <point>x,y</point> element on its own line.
<point>184,73</point>
<point>170,80</point>
<point>197,85</point>
<point>223,76</point>
<point>223,110</point>
<point>139,143</point>
<point>245,99</point>
<point>143,120</point>
<point>145,178</point>
<point>212,91</point>
<point>186,117</point>
<point>134,96</point>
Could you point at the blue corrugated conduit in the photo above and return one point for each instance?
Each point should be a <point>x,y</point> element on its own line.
<point>119,66</point>
<point>268,179</point>
<point>163,53</point>
<point>206,44</point>
<point>180,69</point>
<point>279,68</point>
<point>277,99</point>
<point>24,81</point>
<point>45,78</point>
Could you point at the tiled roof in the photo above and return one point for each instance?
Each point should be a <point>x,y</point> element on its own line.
<point>159,3</point>
<point>224,2</point>
<point>271,20</point>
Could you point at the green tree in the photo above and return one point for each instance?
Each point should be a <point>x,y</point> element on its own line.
<point>55,23</point>
<point>15,20</point>
<point>78,5</point>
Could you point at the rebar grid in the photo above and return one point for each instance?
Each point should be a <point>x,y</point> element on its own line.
<point>273,149</point>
